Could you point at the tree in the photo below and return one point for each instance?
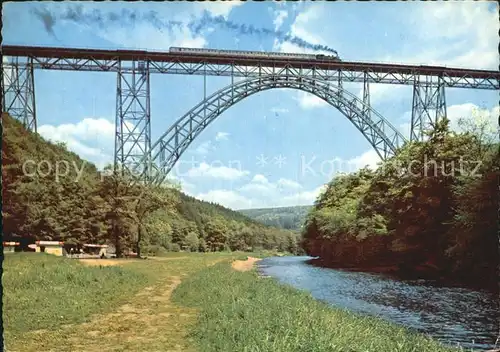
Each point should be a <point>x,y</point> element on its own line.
<point>217,234</point>
<point>119,197</point>
<point>192,242</point>
<point>149,200</point>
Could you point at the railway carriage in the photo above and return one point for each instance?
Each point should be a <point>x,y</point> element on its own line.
<point>249,54</point>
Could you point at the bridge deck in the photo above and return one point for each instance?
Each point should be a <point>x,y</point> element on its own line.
<point>165,62</point>
<point>126,55</point>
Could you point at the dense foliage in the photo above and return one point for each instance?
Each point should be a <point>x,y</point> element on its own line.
<point>289,218</point>
<point>431,210</point>
<point>76,203</point>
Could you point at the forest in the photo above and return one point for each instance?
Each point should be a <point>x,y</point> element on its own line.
<point>431,211</point>
<point>289,218</point>
<point>50,193</point>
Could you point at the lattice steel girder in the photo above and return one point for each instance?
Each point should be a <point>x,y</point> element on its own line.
<point>18,92</point>
<point>384,137</point>
<point>429,105</point>
<point>375,75</point>
<point>366,96</point>
<point>133,119</point>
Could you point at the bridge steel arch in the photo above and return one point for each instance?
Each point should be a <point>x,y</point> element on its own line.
<point>167,150</point>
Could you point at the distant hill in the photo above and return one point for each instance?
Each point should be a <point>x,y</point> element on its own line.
<point>289,218</point>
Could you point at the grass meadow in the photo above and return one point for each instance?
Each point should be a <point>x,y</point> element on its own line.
<point>178,302</point>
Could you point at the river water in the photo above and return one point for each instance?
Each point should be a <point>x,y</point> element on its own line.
<point>450,314</point>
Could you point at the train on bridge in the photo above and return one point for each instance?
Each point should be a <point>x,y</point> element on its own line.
<point>259,54</point>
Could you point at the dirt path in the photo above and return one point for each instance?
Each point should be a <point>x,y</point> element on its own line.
<point>143,324</point>
<point>148,321</point>
<point>105,262</point>
<point>245,265</point>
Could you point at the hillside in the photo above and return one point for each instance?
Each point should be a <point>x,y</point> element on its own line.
<point>51,193</point>
<point>289,218</point>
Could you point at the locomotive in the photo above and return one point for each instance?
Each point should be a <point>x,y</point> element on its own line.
<point>250,54</point>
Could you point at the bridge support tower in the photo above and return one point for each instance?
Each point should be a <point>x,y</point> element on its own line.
<point>429,105</point>
<point>366,96</point>
<point>133,120</point>
<point>18,91</point>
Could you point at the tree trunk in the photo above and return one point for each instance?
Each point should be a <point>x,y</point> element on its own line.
<point>116,237</point>
<point>139,235</point>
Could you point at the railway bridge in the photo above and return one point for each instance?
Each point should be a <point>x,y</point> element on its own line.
<point>320,75</point>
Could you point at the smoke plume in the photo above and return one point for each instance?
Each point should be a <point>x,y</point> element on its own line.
<point>128,18</point>
<point>123,18</point>
<point>244,29</point>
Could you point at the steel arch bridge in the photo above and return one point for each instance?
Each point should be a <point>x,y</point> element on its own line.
<point>322,78</point>
<point>167,150</point>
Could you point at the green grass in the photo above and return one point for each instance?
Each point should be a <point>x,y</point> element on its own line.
<point>213,309</point>
<point>42,291</point>
<point>58,304</point>
<point>242,312</point>
<point>258,254</point>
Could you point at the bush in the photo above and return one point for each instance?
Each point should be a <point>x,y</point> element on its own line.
<point>174,247</point>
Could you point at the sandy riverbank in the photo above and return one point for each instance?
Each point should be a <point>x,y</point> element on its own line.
<point>245,265</point>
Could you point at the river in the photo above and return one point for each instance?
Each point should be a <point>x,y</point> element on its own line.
<point>449,314</point>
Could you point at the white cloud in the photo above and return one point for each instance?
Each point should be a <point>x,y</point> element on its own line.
<point>472,111</point>
<point>309,101</point>
<point>146,36</point>
<point>7,75</point>
<point>235,200</point>
<point>227,198</point>
<point>281,15</point>
<point>380,92</point>
<point>302,28</point>
<point>457,112</point>
<point>219,172</point>
<point>259,185</point>
<point>284,192</point>
<point>221,136</point>
<point>369,158</point>
<point>303,198</point>
<point>453,34</point>
<point>150,37</point>
<point>220,8</point>
<point>204,148</point>
<point>90,138</point>
<point>258,188</point>
<point>288,184</point>
<point>470,30</point>
<point>468,36</point>
<point>258,178</point>
<point>209,146</point>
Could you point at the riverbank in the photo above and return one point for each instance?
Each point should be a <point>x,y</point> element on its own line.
<point>245,265</point>
<point>238,310</point>
<point>181,302</point>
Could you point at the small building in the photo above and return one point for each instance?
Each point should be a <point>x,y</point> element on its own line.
<point>96,249</point>
<point>10,247</point>
<point>51,247</point>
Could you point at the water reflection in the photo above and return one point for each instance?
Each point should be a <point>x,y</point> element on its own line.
<point>450,314</point>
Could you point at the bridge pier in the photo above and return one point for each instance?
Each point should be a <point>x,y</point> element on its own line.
<point>133,120</point>
<point>18,91</point>
<point>366,96</point>
<point>428,106</point>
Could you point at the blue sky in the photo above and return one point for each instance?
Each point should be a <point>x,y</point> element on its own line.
<point>290,129</point>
